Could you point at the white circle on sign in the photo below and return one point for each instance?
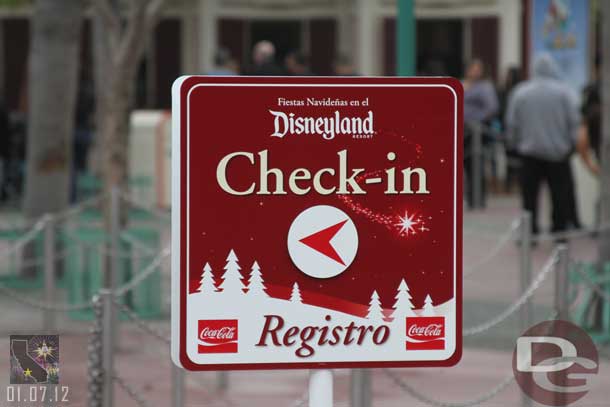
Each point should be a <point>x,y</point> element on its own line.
<point>322,241</point>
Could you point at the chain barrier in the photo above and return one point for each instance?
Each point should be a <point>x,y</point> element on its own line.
<point>141,324</point>
<point>48,306</point>
<point>131,201</point>
<point>94,357</point>
<point>131,392</point>
<point>149,270</point>
<point>504,239</point>
<point>569,235</point>
<point>525,296</point>
<point>430,401</point>
<point>78,208</point>
<point>26,238</point>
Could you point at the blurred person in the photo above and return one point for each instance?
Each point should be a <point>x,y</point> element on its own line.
<point>343,66</point>
<point>542,121</point>
<point>83,130</point>
<point>480,107</point>
<point>263,58</point>
<point>513,77</point>
<point>224,63</point>
<point>297,64</point>
<point>5,151</point>
<point>590,134</point>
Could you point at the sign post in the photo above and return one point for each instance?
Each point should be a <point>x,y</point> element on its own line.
<point>316,224</point>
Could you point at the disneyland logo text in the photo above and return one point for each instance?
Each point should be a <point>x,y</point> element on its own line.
<point>327,127</point>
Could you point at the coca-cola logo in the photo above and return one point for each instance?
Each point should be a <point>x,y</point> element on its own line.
<point>430,330</point>
<point>425,333</point>
<point>217,336</point>
<point>223,333</point>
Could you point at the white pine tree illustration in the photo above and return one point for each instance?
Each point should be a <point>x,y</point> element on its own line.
<point>295,296</point>
<point>256,285</point>
<point>206,284</point>
<point>428,309</point>
<point>375,311</point>
<point>403,307</point>
<point>232,278</point>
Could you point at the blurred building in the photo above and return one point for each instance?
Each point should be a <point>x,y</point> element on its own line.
<point>449,33</point>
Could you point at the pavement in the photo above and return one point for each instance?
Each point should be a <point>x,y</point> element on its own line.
<point>144,363</point>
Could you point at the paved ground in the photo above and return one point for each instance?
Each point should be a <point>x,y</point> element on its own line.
<point>144,362</point>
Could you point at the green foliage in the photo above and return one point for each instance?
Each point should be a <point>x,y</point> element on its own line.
<point>15,3</point>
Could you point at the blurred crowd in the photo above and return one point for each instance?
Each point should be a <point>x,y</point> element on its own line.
<point>538,122</point>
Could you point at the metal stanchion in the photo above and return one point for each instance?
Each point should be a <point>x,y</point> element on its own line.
<point>113,258</point>
<point>222,380</point>
<point>477,167</point>
<point>321,388</point>
<point>177,386</point>
<point>108,320</point>
<point>115,238</point>
<point>49,322</point>
<point>525,278</point>
<point>561,283</point>
<point>360,388</point>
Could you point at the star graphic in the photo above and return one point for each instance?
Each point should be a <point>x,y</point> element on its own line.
<point>407,224</point>
<point>27,373</point>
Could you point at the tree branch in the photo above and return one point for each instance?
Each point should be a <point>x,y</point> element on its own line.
<point>110,18</point>
<point>131,45</point>
<point>108,15</point>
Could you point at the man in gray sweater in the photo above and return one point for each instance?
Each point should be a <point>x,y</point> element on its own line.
<point>542,122</point>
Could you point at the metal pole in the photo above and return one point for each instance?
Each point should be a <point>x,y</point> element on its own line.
<point>525,278</point>
<point>360,388</point>
<point>222,380</point>
<point>321,388</point>
<point>108,320</point>
<point>526,265</point>
<point>177,386</point>
<point>49,322</point>
<point>477,167</point>
<point>115,236</point>
<point>405,43</point>
<point>561,283</point>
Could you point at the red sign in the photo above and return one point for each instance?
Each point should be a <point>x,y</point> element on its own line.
<point>321,217</point>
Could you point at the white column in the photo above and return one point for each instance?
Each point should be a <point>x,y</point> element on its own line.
<point>366,38</point>
<point>345,28</point>
<point>208,14</point>
<point>190,40</point>
<point>510,36</point>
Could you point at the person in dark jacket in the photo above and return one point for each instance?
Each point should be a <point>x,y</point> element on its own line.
<point>480,106</point>
<point>542,121</point>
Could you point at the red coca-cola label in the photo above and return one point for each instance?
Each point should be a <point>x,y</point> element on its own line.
<point>425,333</point>
<point>217,336</point>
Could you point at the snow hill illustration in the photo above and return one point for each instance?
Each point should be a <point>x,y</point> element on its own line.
<point>229,298</point>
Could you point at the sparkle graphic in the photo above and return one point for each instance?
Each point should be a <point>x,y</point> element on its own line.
<point>407,224</point>
<point>43,351</point>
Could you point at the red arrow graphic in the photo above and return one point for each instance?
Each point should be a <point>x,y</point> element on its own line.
<point>320,241</point>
